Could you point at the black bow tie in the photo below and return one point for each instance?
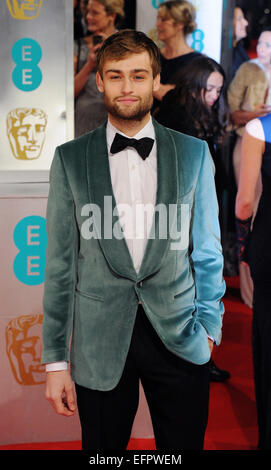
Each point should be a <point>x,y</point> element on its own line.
<point>143,146</point>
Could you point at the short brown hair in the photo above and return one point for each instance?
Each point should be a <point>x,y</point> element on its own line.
<point>180,11</point>
<point>128,41</point>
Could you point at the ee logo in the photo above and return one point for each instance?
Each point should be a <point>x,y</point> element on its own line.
<point>156,3</point>
<point>26,53</point>
<point>197,40</point>
<point>31,239</point>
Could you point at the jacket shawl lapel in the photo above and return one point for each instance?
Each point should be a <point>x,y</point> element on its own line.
<point>99,184</point>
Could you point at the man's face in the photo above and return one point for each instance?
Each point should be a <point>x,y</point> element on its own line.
<point>24,9</point>
<point>128,86</point>
<point>27,137</point>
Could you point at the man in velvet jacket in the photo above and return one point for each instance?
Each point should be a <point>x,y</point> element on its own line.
<point>137,302</point>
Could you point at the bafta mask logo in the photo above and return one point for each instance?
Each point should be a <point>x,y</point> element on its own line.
<point>26,132</point>
<point>24,9</point>
<point>23,346</point>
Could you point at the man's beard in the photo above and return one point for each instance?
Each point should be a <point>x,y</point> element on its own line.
<point>135,113</point>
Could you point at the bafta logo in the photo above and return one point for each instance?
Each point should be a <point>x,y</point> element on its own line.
<point>26,132</point>
<point>24,9</point>
<point>23,347</point>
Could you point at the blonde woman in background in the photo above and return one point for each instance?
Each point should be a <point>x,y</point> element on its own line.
<point>249,97</point>
<point>175,21</point>
<point>102,18</point>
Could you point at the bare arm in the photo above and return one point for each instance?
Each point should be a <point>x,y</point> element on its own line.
<point>241,118</point>
<point>81,78</point>
<point>251,160</point>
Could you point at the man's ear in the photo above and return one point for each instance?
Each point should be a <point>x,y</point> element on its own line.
<point>156,82</point>
<point>99,82</point>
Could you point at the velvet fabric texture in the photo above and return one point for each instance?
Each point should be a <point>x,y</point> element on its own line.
<point>91,286</point>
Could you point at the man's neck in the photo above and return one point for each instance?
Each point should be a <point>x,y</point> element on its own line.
<point>129,127</point>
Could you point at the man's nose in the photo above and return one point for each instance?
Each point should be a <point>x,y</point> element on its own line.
<point>126,85</point>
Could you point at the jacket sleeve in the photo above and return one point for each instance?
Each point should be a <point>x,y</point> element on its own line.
<point>207,259</point>
<point>60,271</point>
<point>237,89</point>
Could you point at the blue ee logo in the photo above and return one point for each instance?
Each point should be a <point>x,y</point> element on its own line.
<point>26,53</point>
<point>31,239</point>
<point>198,40</point>
<point>156,3</point>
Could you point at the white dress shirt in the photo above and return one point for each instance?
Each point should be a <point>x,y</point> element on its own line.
<point>134,183</point>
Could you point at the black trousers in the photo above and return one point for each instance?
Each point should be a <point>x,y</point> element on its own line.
<point>177,393</point>
<point>261,330</point>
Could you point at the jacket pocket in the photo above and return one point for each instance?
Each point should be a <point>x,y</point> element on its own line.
<point>89,295</point>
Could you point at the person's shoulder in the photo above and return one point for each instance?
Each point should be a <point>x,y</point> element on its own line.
<point>191,154</point>
<point>248,73</point>
<point>77,146</point>
<point>250,68</point>
<point>255,129</point>
<point>185,139</point>
<point>190,150</point>
<point>185,59</point>
<point>76,143</point>
<point>260,128</point>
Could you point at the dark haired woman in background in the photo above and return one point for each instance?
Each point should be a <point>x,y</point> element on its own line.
<point>197,107</point>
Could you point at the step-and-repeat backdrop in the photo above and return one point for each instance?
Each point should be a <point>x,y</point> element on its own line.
<point>36,96</point>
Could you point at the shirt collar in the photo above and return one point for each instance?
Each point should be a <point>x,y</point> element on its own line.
<point>147,131</point>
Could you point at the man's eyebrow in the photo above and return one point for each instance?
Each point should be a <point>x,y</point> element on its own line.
<point>133,71</point>
<point>141,70</point>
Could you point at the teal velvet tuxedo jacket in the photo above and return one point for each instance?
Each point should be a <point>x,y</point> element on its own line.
<point>92,289</point>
